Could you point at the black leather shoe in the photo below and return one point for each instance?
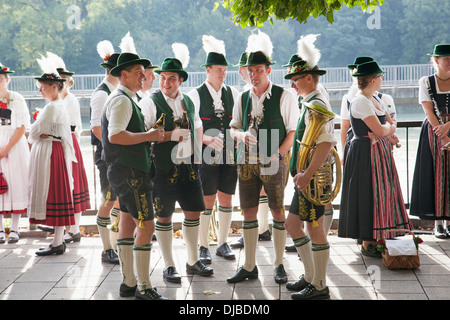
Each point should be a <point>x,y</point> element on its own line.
<point>311,293</point>
<point>371,251</point>
<point>239,243</point>
<point>53,250</point>
<point>204,255</point>
<point>110,256</point>
<point>73,237</point>
<point>265,236</point>
<point>200,269</point>
<point>126,291</point>
<point>280,275</point>
<point>170,274</point>
<point>46,229</point>
<point>243,274</point>
<point>290,248</point>
<point>299,285</point>
<point>148,294</point>
<point>225,252</point>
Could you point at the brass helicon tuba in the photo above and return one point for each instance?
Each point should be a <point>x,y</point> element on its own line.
<point>320,191</point>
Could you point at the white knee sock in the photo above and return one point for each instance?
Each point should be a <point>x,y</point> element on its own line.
<point>103,230</point>
<point>263,214</point>
<point>15,218</point>
<point>142,255</point>
<point>225,215</point>
<point>279,241</point>
<point>205,220</point>
<point>126,259</point>
<point>321,254</point>
<point>250,230</point>
<point>164,234</point>
<point>190,235</point>
<point>303,246</point>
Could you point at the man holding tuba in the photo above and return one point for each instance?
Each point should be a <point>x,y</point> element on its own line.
<point>312,247</point>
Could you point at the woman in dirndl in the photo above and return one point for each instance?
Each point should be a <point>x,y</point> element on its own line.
<point>81,199</point>
<point>52,154</point>
<point>430,196</point>
<point>14,155</point>
<point>371,203</point>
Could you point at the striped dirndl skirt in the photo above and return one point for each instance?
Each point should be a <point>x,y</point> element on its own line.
<point>81,199</point>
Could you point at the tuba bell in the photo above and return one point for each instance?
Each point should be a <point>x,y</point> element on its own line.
<point>320,190</point>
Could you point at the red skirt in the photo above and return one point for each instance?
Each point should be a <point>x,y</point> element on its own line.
<point>81,200</point>
<point>59,200</point>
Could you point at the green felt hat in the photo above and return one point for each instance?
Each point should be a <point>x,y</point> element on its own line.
<point>173,65</point>
<point>5,70</point>
<point>64,72</point>
<point>258,57</point>
<point>242,60</point>
<point>127,59</point>
<point>367,68</point>
<point>214,58</point>
<point>50,77</point>
<point>359,60</point>
<point>441,50</point>
<point>110,61</point>
<point>301,67</point>
<point>294,58</point>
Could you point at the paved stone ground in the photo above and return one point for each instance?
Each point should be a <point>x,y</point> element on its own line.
<point>79,274</point>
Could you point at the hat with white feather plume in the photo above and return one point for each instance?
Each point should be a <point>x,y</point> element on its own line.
<point>177,64</point>
<point>129,57</point>
<point>49,69</point>
<point>215,52</point>
<point>309,57</point>
<point>259,49</point>
<point>106,51</point>
<point>60,65</point>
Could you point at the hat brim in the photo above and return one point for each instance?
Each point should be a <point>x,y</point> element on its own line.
<point>116,70</point>
<point>438,54</point>
<point>216,64</point>
<point>48,79</point>
<point>182,74</point>
<point>318,71</point>
<point>367,74</point>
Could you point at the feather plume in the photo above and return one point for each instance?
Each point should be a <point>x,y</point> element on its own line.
<point>127,44</point>
<point>211,44</point>
<point>181,52</point>
<point>47,65</point>
<point>260,42</point>
<point>56,60</point>
<point>105,49</point>
<point>307,51</point>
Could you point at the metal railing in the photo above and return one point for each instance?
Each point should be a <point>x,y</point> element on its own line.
<point>407,131</point>
<point>398,75</point>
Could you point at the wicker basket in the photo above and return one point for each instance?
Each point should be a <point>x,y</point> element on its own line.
<point>400,262</point>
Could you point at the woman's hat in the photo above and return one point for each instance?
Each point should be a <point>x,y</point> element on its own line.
<point>242,60</point>
<point>128,57</point>
<point>5,70</point>
<point>359,60</point>
<point>60,65</point>
<point>259,49</point>
<point>441,50</point>
<point>367,68</point>
<point>177,64</point>
<point>308,57</point>
<point>215,52</point>
<point>49,69</point>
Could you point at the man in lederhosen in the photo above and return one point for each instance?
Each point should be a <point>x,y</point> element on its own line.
<point>270,112</point>
<point>108,207</point>
<point>312,247</point>
<point>176,161</point>
<point>126,148</point>
<point>218,171</point>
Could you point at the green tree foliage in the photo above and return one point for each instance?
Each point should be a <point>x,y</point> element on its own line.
<point>408,30</point>
<point>255,13</point>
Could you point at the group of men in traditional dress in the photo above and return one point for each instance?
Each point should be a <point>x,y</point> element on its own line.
<point>154,150</point>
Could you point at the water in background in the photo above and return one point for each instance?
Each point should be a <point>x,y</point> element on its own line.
<point>405,159</point>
